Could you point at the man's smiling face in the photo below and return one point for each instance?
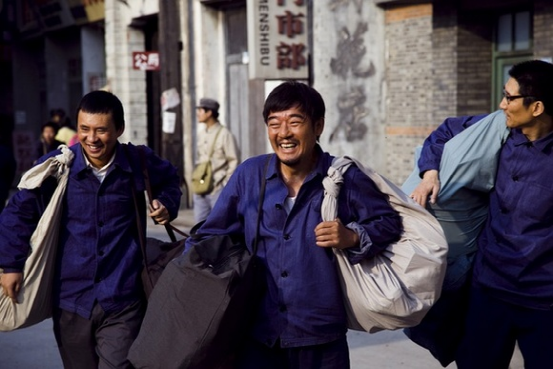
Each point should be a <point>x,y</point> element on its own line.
<point>98,137</point>
<point>293,136</point>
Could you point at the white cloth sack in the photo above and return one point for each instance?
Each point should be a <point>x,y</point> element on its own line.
<point>397,287</point>
<point>35,297</point>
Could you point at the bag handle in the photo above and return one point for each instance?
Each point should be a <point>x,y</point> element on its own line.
<point>141,231</point>
<point>171,229</point>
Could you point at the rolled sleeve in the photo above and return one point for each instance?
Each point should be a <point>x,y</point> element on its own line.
<point>433,148</point>
<point>356,254</point>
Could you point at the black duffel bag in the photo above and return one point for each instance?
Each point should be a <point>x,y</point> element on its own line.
<point>202,305</point>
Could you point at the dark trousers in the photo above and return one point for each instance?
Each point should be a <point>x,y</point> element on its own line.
<point>332,355</point>
<point>494,326</point>
<point>101,342</point>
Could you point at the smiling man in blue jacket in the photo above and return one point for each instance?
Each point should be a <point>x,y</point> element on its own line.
<point>301,321</point>
<point>98,297</point>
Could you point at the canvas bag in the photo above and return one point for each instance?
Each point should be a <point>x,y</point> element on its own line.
<point>202,176</point>
<point>395,288</point>
<point>202,305</point>
<point>35,297</point>
<point>467,168</point>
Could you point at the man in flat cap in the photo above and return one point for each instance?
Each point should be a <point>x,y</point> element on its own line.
<point>215,145</point>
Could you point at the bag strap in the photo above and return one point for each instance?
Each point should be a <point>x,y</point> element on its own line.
<point>141,231</point>
<point>213,143</point>
<point>171,229</point>
<point>260,204</point>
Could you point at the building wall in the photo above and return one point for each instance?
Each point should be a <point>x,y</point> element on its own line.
<point>59,50</point>
<point>389,75</point>
<point>94,58</point>
<point>543,29</point>
<point>125,82</point>
<point>29,109</point>
<point>209,54</point>
<point>444,64</point>
<point>409,81</point>
<point>474,63</point>
<point>348,71</point>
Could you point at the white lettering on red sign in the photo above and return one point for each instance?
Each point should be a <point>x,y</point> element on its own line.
<point>145,60</point>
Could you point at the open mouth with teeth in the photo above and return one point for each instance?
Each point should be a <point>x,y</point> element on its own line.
<point>288,145</point>
<point>94,148</point>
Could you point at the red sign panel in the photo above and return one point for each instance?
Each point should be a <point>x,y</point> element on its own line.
<point>145,60</point>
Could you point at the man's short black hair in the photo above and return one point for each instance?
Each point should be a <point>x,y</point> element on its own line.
<point>292,94</point>
<point>535,80</point>
<point>103,102</point>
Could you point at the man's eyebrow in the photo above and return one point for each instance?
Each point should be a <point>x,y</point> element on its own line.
<point>301,116</point>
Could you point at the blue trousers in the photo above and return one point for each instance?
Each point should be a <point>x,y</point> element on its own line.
<point>493,327</point>
<point>332,355</point>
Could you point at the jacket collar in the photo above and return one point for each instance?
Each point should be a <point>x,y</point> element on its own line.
<point>79,166</point>
<point>323,163</point>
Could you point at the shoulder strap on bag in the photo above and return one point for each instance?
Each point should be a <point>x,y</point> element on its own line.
<point>213,143</point>
<point>260,204</point>
<point>168,227</point>
<point>141,234</point>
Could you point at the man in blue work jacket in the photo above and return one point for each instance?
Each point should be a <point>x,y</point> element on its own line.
<point>301,321</point>
<point>512,289</point>
<point>98,297</point>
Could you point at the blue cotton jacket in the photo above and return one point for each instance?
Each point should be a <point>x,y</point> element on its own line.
<point>515,258</point>
<point>303,304</point>
<point>99,255</point>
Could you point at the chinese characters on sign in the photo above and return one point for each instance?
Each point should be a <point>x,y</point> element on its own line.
<point>145,60</point>
<point>278,41</point>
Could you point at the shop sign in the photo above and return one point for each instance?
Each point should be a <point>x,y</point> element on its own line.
<point>277,39</point>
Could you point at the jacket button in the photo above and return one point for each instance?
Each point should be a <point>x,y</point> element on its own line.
<point>284,274</point>
<point>286,237</point>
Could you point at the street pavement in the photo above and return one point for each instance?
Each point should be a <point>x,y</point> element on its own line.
<point>35,347</point>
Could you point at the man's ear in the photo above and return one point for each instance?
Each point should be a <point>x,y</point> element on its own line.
<point>537,108</point>
<point>319,126</point>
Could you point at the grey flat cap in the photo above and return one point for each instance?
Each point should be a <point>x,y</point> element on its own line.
<point>208,104</point>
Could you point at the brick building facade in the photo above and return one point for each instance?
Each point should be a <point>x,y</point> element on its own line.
<point>404,66</point>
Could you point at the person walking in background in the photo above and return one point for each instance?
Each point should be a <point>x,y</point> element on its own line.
<point>98,300</point>
<point>47,141</point>
<point>512,282</point>
<point>66,132</point>
<point>215,144</point>
<point>301,321</point>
